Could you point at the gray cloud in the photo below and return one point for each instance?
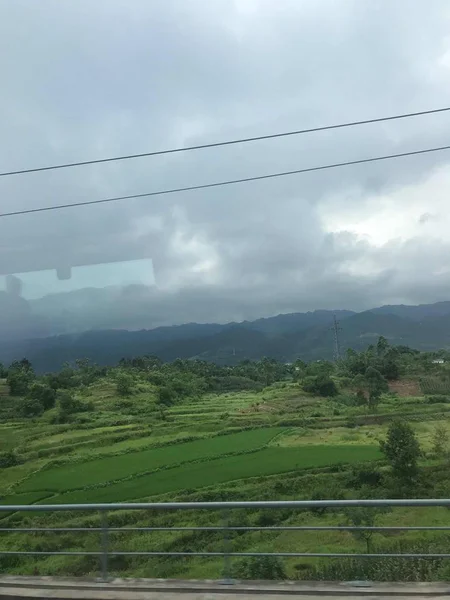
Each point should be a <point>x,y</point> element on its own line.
<point>83,80</point>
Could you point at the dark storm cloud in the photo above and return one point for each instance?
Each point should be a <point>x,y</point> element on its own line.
<point>83,80</point>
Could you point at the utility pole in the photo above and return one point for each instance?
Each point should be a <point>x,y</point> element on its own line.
<point>337,346</point>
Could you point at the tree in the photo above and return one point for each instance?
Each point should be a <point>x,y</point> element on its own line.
<point>166,395</point>
<point>68,404</point>
<point>298,369</point>
<point>354,363</point>
<point>320,368</point>
<point>390,368</point>
<point>44,394</point>
<point>402,450</point>
<point>360,397</point>
<point>124,383</point>
<point>362,516</point>
<point>382,346</point>
<point>19,381</point>
<point>440,440</point>
<point>86,372</point>
<point>19,378</point>
<point>321,385</point>
<point>376,385</point>
<point>23,365</point>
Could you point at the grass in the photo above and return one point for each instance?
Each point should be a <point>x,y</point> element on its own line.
<point>264,462</point>
<point>113,468</point>
<point>362,435</point>
<point>10,436</point>
<point>27,498</point>
<point>77,435</point>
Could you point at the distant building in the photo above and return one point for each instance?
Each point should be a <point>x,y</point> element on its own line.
<point>438,361</point>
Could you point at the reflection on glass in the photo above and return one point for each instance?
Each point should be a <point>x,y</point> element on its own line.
<point>49,302</point>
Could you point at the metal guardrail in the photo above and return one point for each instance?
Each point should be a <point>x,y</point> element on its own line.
<point>225,508</point>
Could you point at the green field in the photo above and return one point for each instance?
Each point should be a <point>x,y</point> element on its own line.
<point>26,498</point>
<point>109,469</point>
<point>264,462</point>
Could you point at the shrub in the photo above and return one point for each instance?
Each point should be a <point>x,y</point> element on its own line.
<point>8,459</point>
<point>265,519</point>
<point>325,493</point>
<point>345,399</point>
<point>29,407</point>
<point>234,383</point>
<point>351,423</point>
<point>322,385</point>
<point>365,476</point>
<point>67,405</point>
<point>437,399</point>
<point>261,567</point>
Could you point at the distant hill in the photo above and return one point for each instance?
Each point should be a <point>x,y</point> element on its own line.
<point>285,337</point>
<point>417,313</point>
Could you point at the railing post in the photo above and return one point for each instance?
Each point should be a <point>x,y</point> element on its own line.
<point>104,544</point>
<point>226,575</point>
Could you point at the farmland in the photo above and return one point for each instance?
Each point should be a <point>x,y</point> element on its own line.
<point>177,432</point>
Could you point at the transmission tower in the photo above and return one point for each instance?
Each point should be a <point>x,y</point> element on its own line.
<point>337,346</point>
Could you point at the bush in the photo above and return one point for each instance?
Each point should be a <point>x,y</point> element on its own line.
<point>345,399</point>
<point>265,519</point>
<point>365,476</point>
<point>8,459</point>
<point>437,399</point>
<point>321,385</point>
<point>261,567</point>
<point>351,423</point>
<point>68,404</point>
<point>235,383</point>
<point>325,493</point>
<point>29,407</point>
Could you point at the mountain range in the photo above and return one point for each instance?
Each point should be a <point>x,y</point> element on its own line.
<point>308,336</point>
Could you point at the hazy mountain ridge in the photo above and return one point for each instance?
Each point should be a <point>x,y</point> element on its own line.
<point>286,337</point>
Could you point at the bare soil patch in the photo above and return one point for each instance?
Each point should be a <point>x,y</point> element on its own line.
<point>405,388</point>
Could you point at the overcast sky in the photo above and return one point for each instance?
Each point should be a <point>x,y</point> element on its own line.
<point>83,80</point>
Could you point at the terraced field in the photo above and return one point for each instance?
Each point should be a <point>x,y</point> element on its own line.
<point>280,443</point>
<point>268,461</point>
<point>127,465</point>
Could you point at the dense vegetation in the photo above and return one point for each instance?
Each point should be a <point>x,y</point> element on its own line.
<point>371,425</point>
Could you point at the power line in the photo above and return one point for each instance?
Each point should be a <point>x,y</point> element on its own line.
<point>226,143</point>
<point>229,182</point>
